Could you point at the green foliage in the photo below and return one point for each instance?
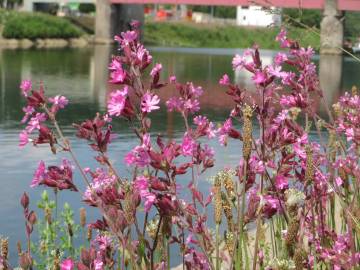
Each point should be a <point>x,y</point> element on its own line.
<point>86,8</point>
<point>309,17</point>
<point>55,234</point>
<point>352,26</point>
<point>212,36</point>
<point>36,25</point>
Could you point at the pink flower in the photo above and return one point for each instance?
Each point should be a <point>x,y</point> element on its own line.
<point>281,182</point>
<point>141,184</point>
<point>338,181</point>
<point>239,61</point>
<point>257,166</point>
<point>67,264</point>
<point>156,70</point>
<point>281,37</point>
<point>280,58</point>
<point>107,118</point>
<point>224,130</point>
<point>35,122</point>
<point>39,174</point>
<point>99,265</point>
<point>259,77</point>
<point>349,132</point>
<point>192,105</point>
<point>149,102</point>
<point>196,91</point>
<point>225,80</point>
<point>117,102</point>
<point>28,110</point>
<point>115,64</point>
<point>129,36</point>
<point>103,241</point>
<point>23,138</point>
<point>172,79</point>
<point>118,76</point>
<point>174,104</point>
<point>138,156</point>
<point>25,86</point>
<point>188,145</point>
<point>59,101</point>
<point>276,71</point>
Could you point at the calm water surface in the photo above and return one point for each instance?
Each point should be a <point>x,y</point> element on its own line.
<point>81,75</point>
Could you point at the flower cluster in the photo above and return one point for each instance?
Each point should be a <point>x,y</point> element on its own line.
<point>283,177</point>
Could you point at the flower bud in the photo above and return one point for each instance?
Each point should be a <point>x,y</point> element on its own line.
<point>25,261</point>
<point>24,200</point>
<point>32,218</point>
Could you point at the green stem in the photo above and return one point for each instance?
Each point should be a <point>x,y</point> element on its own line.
<point>217,243</point>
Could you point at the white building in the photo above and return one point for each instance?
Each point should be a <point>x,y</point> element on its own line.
<point>257,16</point>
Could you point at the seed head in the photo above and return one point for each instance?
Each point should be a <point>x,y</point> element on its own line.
<point>229,241</point>
<point>83,217</point>
<point>217,205</point>
<point>247,132</point>
<point>5,248</point>
<point>229,186</point>
<point>56,263</point>
<point>227,210</point>
<point>291,236</point>
<point>299,257</point>
<point>89,234</point>
<point>129,207</point>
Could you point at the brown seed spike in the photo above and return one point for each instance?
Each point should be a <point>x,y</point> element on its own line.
<point>4,248</point>
<point>217,205</point>
<point>299,257</point>
<point>227,211</point>
<point>83,217</point>
<point>89,234</point>
<point>291,236</point>
<point>309,171</point>
<point>247,132</point>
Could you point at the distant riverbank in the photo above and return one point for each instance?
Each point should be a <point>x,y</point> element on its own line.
<point>187,34</point>
<point>25,30</point>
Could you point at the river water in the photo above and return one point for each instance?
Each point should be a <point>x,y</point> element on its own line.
<point>81,75</point>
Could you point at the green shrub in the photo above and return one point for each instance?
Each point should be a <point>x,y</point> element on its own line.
<point>86,8</point>
<point>36,25</point>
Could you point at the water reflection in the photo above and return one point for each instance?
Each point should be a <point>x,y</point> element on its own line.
<point>81,75</point>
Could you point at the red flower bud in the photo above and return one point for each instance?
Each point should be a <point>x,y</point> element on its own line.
<point>25,200</point>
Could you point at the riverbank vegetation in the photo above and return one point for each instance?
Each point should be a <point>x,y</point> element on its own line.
<point>218,36</point>
<point>24,25</point>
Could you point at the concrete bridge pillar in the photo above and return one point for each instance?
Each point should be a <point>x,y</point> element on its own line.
<point>332,29</point>
<point>111,19</point>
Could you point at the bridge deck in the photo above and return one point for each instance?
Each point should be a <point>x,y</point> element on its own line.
<point>306,4</point>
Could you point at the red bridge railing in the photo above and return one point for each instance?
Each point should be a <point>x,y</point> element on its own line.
<point>306,4</point>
